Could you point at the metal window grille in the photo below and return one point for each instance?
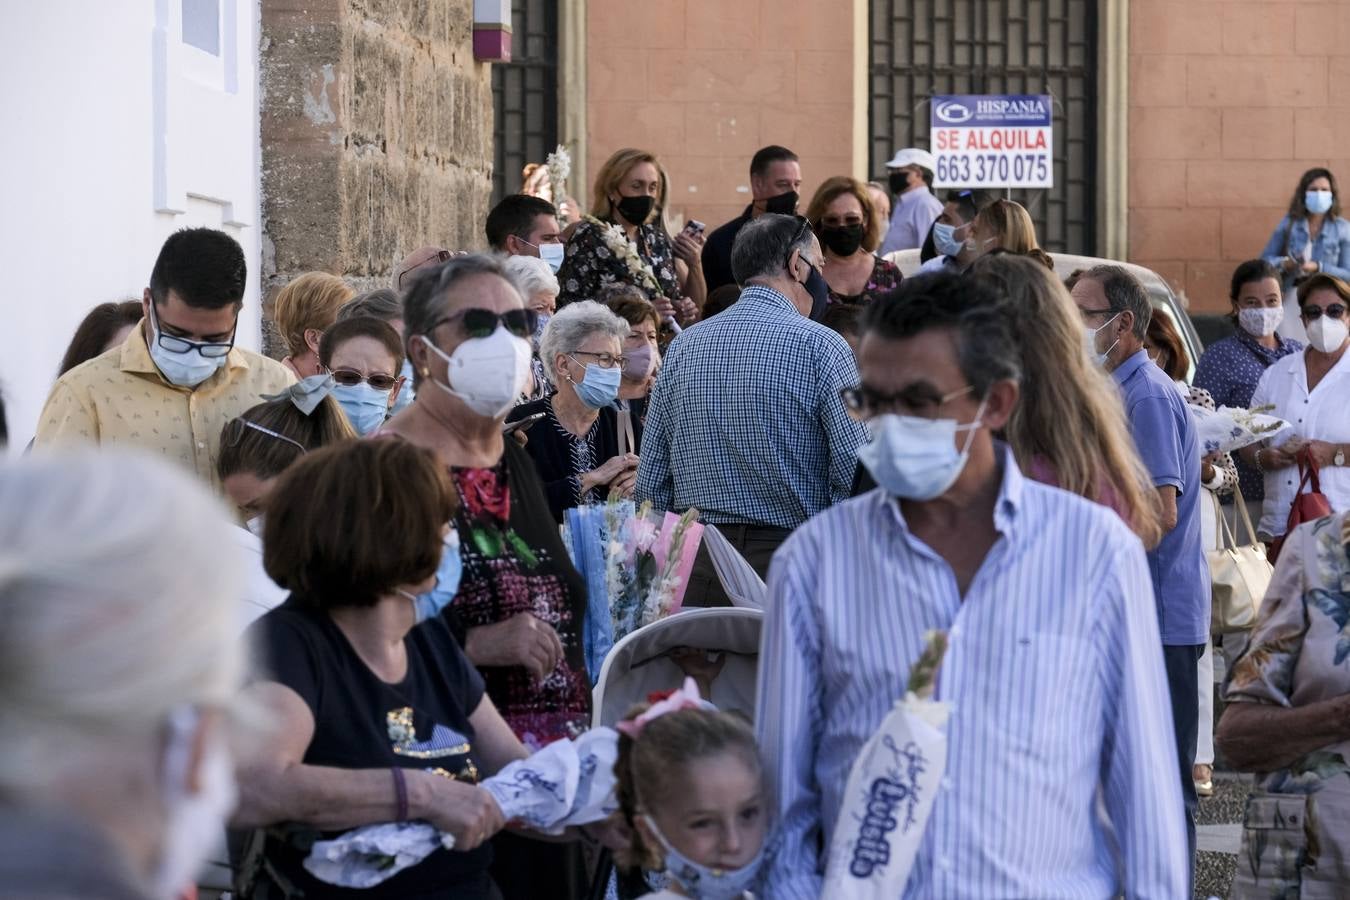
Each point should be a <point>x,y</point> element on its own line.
<point>924,47</point>
<point>525,94</point>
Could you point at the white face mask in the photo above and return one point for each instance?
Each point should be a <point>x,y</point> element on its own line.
<point>1261,322</point>
<point>488,374</point>
<point>1327,334</point>
<point>916,458</point>
<point>1090,342</point>
<point>193,822</point>
<point>703,882</point>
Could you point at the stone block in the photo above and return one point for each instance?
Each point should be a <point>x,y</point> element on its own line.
<point>721,25</point>
<point>1257,29</point>
<point>804,26</point>
<point>1261,133</point>
<point>824,76</point>
<point>1240,184</point>
<point>1245,231</point>
<point>1175,133</point>
<point>1223,81</point>
<point>1175,26</point>
<point>619,74</point>
<point>622,23</point>
<point>1157,80</point>
<point>722,128</point>
<point>1174,234</point>
<point>1207,283</point>
<point>1319,28</point>
<point>1157,183</point>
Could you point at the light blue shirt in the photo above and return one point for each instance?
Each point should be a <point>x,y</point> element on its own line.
<point>746,423</point>
<point>1164,434</point>
<point>914,214</point>
<point>1055,680</point>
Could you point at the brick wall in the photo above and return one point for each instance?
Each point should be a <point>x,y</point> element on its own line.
<point>376,135</point>
<point>1229,103</point>
<point>705,83</point>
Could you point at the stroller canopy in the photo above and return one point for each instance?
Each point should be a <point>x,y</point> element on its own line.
<point>638,665</point>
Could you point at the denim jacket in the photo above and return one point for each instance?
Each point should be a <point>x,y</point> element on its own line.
<point>1331,250</point>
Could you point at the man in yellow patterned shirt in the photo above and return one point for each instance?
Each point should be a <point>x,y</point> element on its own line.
<point>178,378</point>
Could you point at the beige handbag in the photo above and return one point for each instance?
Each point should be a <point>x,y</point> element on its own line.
<point>1239,575</point>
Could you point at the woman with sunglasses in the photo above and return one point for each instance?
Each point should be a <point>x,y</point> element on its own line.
<point>575,446</point>
<point>1308,391</point>
<point>364,356</point>
<point>519,608</point>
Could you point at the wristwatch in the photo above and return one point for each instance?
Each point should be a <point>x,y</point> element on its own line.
<point>1339,458</point>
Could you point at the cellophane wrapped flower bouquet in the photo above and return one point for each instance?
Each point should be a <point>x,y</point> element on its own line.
<point>636,563</point>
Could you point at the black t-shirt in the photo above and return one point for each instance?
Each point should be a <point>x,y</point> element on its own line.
<point>361,722</point>
<point>717,251</point>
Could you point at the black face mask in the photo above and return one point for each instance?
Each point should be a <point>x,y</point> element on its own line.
<point>820,292</point>
<point>636,209</point>
<point>784,204</point>
<point>899,182</point>
<point>843,240</point>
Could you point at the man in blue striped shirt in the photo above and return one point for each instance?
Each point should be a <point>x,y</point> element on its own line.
<point>746,423</point>
<point>1059,741</point>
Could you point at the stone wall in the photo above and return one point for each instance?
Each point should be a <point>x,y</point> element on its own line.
<point>703,84</point>
<point>1229,103</point>
<point>376,136</point>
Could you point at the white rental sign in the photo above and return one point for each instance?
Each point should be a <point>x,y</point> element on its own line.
<point>993,141</point>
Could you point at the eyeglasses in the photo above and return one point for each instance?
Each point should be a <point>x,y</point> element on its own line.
<point>606,360</point>
<point>235,429</point>
<point>440,257</point>
<point>864,402</point>
<point>379,381</point>
<point>1334,311</point>
<point>174,344</point>
<point>480,323</point>
<point>1088,313</point>
<point>803,226</point>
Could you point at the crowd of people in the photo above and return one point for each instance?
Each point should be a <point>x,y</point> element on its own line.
<point>377,611</point>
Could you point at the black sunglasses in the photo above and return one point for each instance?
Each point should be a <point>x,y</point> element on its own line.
<point>1334,311</point>
<point>480,323</point>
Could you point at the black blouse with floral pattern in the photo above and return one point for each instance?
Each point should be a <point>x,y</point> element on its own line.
<point>589,264</point>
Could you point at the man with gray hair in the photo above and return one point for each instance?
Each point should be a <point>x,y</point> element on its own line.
<point>746,422</point>
<point>1051,675</point>
<point>1116,311</point>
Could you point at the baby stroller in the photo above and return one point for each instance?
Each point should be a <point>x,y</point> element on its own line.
<point>640,663</point>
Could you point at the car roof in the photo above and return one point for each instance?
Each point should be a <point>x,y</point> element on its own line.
<point>1065,265</point>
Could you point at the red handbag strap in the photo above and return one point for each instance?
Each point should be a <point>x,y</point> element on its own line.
<point>1307,469</point>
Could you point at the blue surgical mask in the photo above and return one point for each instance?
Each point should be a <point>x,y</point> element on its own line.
<point>433,602</point>
<point>366,407</point>
<point>1317,202</point>
<point>703,882</point>
<point>600,386</point>
<point>916,458</point>
<point>405,393</point>
<point>553,255</point>
<point>187,368</point>
<point>944,239</point>
<point>539,329</point>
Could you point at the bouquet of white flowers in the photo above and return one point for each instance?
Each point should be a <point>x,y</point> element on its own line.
<point>1227,428</point>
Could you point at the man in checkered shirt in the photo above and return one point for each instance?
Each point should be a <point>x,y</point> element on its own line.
<point>746,423</point>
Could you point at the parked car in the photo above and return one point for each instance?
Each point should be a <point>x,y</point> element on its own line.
<point>1067,263</point>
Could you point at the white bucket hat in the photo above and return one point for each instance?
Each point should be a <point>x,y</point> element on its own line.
<point>912,156</point>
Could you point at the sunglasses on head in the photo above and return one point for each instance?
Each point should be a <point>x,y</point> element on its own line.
<point>1334,311</point>
<point>480,323</point>
<point>350,378</point>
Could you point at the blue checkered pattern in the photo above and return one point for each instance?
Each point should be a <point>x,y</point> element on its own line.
<point>746,423</point>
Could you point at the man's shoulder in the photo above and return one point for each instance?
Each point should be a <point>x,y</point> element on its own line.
<point>269,373</point>
<point>727,230</point>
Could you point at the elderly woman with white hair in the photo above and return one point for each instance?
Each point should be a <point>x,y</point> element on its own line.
<point>539,286</point>
<point>120,581</point>
<point>575,445</point>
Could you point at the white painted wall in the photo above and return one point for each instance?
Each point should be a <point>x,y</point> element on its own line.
<point>113,134</point>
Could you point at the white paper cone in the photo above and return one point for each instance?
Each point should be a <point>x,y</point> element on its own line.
<point>889,797</point>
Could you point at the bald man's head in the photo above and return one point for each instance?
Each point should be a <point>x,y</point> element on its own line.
<point>418,259</point>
